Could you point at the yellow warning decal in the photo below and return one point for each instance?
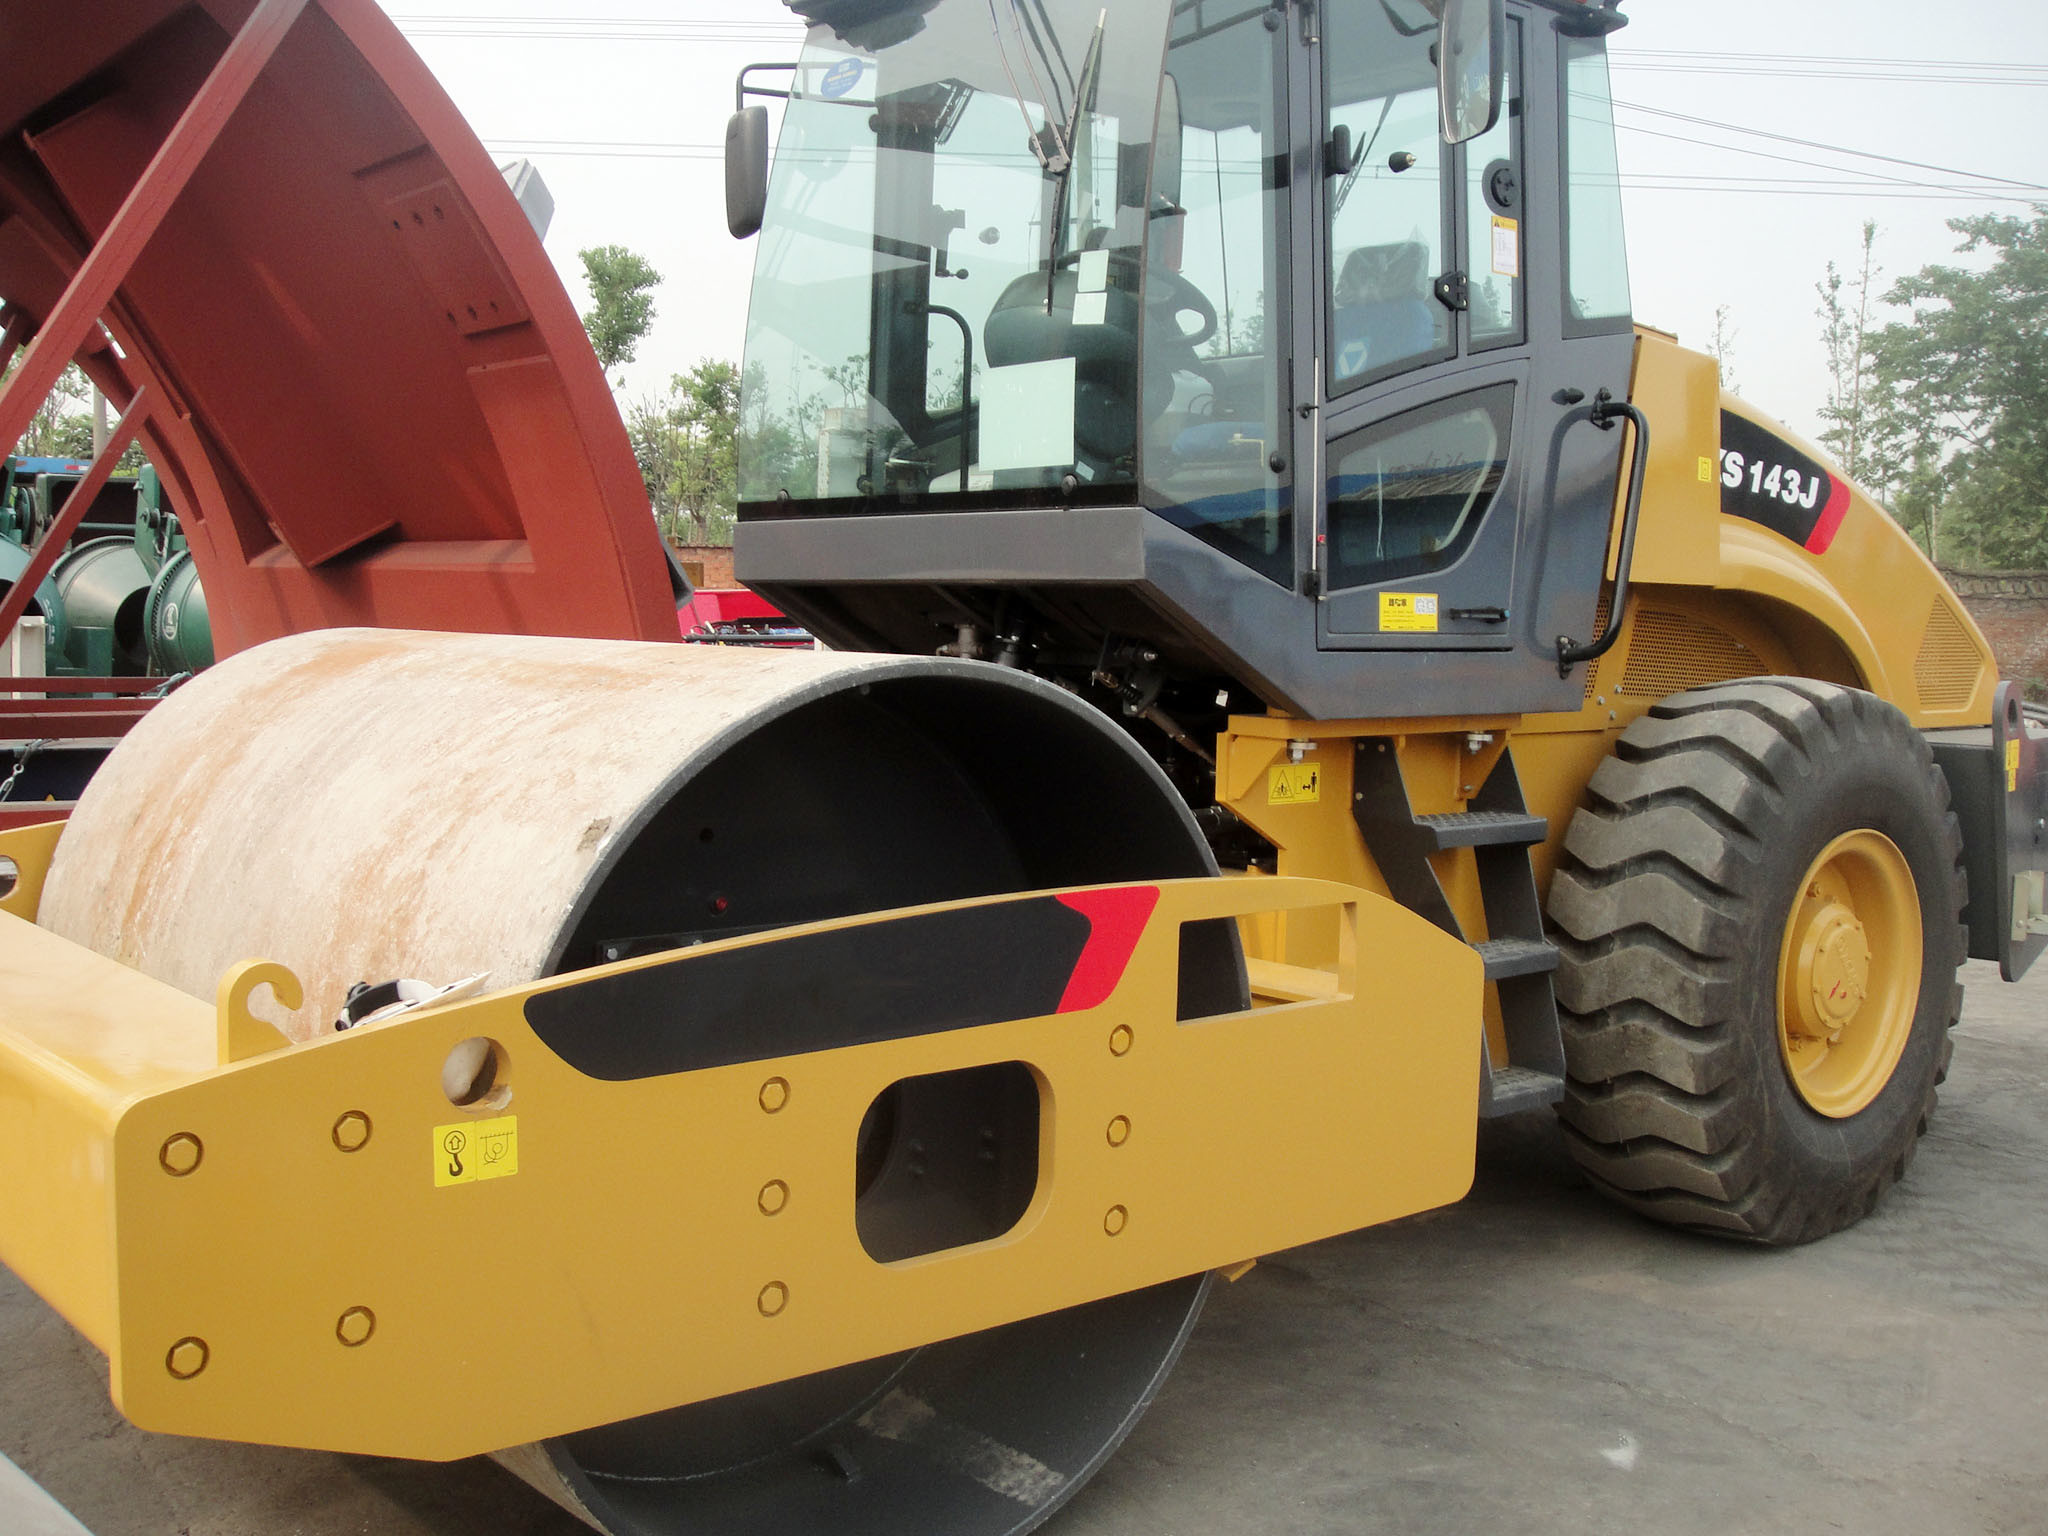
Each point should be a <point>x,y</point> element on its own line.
<point>1507,247</point>
<point>2012,767</point>
<point>477,1150</point>
<point>1706,470</point>
<point>1408,613</point>
<point>1295,784</point>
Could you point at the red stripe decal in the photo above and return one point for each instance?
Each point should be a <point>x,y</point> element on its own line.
<point>1831,517</point>
<point>1116,920</point>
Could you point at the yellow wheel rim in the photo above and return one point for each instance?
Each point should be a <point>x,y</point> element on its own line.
<point>1849,973</point>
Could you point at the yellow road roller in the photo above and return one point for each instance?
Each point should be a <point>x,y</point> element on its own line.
<point>1306,671</point>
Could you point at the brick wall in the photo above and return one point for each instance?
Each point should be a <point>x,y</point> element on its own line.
<point>708,565</point>
<point>2011,607</point>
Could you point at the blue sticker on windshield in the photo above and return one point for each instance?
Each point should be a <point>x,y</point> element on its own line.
<point>841,78</point>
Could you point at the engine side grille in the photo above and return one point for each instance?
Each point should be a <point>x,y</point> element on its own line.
<point>1949,663</point>
<point>1671,652</point>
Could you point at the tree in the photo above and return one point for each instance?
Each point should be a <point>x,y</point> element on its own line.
<point>622,308</point>
<point>62,425</point>
<point>686,444</point>
<point>1959,413</point>
<point>1722,345</point>
<point>1852,384</point>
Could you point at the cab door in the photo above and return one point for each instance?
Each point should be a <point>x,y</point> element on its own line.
<point>1472,302</point>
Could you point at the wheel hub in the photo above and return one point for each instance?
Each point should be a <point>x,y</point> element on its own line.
<point>1834,965</point>
<point>1849,973</point>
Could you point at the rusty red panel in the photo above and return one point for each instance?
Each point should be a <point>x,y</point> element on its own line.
<point>34,815</point>
<point>374,403</point>
<point>68,719</point>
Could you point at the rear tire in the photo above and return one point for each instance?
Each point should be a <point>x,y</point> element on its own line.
<point>1765,876</point>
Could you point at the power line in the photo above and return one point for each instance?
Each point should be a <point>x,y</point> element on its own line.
<point>1859,76</point>
<point>596,151</point>
<point>1878,181</point>
<point>1798,181</point>
<point>1812,58</point>
<point>1707,182</point>
<point>1789,66</point>
<point>1753,189</point>
<point>510,19</point>
<point>596,28</point>
<point>1696,57</point>
<point>1833,149</point>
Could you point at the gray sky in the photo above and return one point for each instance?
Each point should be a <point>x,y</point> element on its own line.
<point>623,108</point>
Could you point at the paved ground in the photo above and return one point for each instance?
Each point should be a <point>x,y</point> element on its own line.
<point>1531,1361</point>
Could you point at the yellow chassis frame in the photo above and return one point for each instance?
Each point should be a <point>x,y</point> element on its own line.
<point>270,1243</point>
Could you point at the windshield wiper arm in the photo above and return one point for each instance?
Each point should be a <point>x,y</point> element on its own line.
<point>1084,101</point>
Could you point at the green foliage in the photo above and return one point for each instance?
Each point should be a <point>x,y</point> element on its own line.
<point>1722,346</point>
<point>622,308</point>
<point>1853,387</point>
<point>780,449</point>
<point>62,425</point>
<point>686,442</point>
<point>1956,428</point>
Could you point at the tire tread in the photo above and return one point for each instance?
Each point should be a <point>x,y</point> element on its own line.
<point>1654,931</point>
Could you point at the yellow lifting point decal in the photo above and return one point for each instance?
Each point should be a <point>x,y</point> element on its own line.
<point>2012,767</point>
<point>1408,613</point>
<point>1295,784</point>
<point>475,1151</point>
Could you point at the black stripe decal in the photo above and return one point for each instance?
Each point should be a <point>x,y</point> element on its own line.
<point>849,986</point>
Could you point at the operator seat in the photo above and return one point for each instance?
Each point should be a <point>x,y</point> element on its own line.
<point>1026,327</point>
<point>1384,311</point>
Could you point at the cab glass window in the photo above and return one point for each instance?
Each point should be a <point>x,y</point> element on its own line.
<point>1408,494</point>
<point>1596,255</point>
<point>948,288</point>
<point>1216,435</point>
<point>1387,221</point>
<point>1494,210</point>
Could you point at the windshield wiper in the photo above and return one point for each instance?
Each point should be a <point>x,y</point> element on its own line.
<point>1034,137</point>
<point>1084,102</point>
<point>1051,33</point>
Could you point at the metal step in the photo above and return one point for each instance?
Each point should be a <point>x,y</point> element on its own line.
<point>1517,957</point>
<point>1485,829</point>
<point>1513,1090</point>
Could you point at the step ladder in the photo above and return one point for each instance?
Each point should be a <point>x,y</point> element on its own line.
<point>1520,961</point>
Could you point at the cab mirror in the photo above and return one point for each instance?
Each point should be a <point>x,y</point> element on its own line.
<point>746,171</point>
<point>1471,58</point>
<point>1166,159</point>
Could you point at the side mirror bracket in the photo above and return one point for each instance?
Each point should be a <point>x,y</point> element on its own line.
<point>1593,21</point>
<point>1339,157</point>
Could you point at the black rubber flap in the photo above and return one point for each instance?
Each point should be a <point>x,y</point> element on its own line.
<point>887,980</point>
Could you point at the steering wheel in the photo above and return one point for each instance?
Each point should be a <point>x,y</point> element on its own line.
<point>1169,294</point>
<point>1174,296</point>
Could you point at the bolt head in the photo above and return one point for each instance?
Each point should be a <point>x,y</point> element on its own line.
<point>187,1358</point>
<point>181,1154</point>
<point>352,1131</point>
<point>355,1326</point>
<point>775,1094</point>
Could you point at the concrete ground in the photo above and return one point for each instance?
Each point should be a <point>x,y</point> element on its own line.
<point>1532,1361</point>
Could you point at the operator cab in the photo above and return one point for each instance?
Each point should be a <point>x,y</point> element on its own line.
<point>1240,350</point>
